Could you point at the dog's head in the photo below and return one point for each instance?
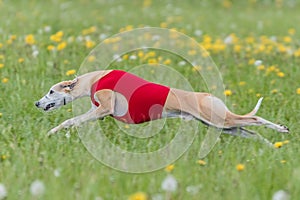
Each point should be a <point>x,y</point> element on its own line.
<point>60,94</point>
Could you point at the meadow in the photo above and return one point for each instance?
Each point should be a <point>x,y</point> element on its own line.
<point>255,44</point>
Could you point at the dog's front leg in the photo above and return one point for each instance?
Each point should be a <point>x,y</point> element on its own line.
<point>106,100</point>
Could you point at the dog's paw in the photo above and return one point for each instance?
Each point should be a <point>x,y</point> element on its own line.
<point>52,131</point>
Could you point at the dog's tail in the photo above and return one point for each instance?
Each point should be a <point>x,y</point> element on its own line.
<point>254,111</point>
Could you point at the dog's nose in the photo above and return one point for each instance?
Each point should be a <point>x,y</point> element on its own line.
<point>37,103</point>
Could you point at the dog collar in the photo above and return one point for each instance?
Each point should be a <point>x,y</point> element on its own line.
<point>64,101</point>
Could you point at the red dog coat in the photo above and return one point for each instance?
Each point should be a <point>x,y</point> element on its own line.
<point>145,99</point>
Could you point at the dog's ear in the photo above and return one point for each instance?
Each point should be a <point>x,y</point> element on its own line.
<point>69,85</point>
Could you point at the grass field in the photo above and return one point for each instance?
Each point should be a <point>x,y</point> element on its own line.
<point>41,42</point>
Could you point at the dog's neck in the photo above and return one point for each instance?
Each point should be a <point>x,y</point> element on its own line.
<point>85,82</point>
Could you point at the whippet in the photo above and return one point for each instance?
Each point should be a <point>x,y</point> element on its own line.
<point>131,99</point>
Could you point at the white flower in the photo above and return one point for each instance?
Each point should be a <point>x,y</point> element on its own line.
<point>56,172</point>
<point>3,192</point>
<point>47,29</point>
<point>281,195</point>
<point>102,36</point>
<point>182,63</point>
<point>198,32</point>
<point>37,188</point>
<point>133,57</point>
<point>258,62</point>
<point>35,53</point>
<point>169,184</point>
<point>228,40</point>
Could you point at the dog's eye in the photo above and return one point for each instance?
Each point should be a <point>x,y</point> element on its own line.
<point>51,92</point>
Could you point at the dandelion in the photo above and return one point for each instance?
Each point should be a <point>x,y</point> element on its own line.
<point>169,184</point>
<point>133,57</point>
<point>287,39</point>
<point>274,91</point>
<point>298,91</point>
<point>89,44</point>
<point>167,62</point>
<point>1,65</point>
<point>242,83</point>
<point>35,53</point>
<point>201,162</point>
<point>278,144</point>
<point>257,63</point>
<point>3,192</point>
<point>169,168</point>
<point>281,195</point>
<point>70,72</point>
<point>283,161</point>
<point>5,80</point>
<point>91,58</point>
<point>138,196</point>
<point>50,47</point>
<point>29,39</point>
<point>1,114</point>
<point>152,61</point>
<point>280,74</point>
<point>20,60</point>
<point>227,92</point>
<point>260,67</point>
<point>125,57</point>
<point>56,172</point>
<point>61,46</point>
<point>240,167</point>
<point>57,37</point>
<point>292,31</point>
<point>286,142</point>
<point>37,188</point>
<point>1,45</point>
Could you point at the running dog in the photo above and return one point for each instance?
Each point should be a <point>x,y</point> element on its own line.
<point>131,99</point>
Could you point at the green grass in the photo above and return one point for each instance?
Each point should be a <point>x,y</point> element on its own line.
<point>27,154</point>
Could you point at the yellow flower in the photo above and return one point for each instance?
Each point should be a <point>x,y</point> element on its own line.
<point>167,62</point>
<point>278,144</point>
<point>242,83</point>
<point>50,47</point>
<point>89,44</point>
<point>5,80</point>
<point>283,161</point>
<point>152,61</point>
<point>291,31</point>
<point>280,74</point>
<point>57,37</point>
<point>21,60</point>
<point>140,54</point>
<point>226,3</point>
<point>125,57</point>
<point>1,65</point>
<point>227,92</point>
<point>192,52</point>
<point>258,95</point>
<point>163,25</point>
<point>274,91</point>
<point>201,162</point>
<point>1,114</point>
<point>298,91</point>
<point>169,168</point>
<point>70,72</point>
<point>2,57</point>
<point>138,196</point>
<point>1,45</point>
<point>260,67</point>
<point>287,39</point>
<point>286,142</point>
<point>91,58</point>
<point>61,46</point>
<point>240,167</point>
<point>29,39</point>
<point>13,37</point>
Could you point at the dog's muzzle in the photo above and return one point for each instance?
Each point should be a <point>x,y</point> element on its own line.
<point>50,105</point>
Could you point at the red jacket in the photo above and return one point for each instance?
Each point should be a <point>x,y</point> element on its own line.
<point>145,99</point>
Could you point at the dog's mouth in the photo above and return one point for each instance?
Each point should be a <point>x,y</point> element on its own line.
<point>50,105</point>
